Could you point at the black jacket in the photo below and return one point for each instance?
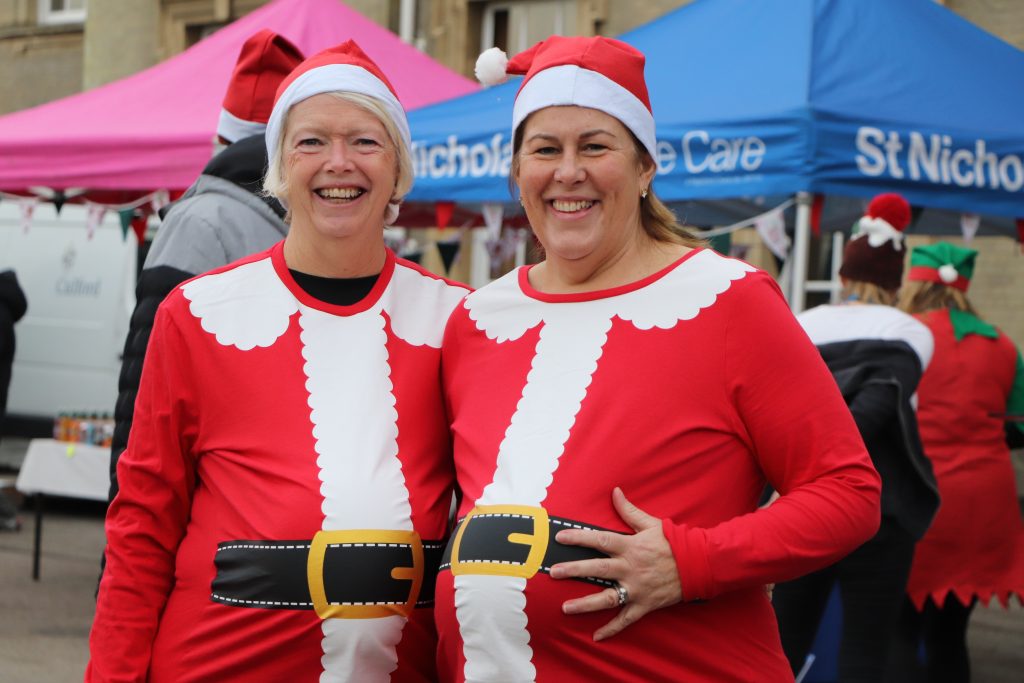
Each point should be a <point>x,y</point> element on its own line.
<point>12,307</point>
<point>877,378</point>
<point>219,220</point>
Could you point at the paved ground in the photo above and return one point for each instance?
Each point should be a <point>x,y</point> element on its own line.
<point>44,625</point>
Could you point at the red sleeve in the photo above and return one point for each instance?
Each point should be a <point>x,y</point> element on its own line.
<point>147,519</point>
<point>794,420</point>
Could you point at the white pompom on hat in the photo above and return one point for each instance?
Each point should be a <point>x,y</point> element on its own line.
<point>597,73</point>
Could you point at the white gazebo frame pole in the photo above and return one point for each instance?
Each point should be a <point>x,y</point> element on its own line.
<point>801,249</point>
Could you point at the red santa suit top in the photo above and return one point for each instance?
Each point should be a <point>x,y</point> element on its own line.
<point>689,389</point>
<point>975,546</point>
<point>267,415</point>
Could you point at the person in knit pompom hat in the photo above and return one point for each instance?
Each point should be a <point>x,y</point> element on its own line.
<point>873,259</point>
<point>971,405</point>
<point>631,361</point>
<point>287,483</point>
<point>877,355</point>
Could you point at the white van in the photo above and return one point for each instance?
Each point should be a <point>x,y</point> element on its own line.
<point>81,294</point>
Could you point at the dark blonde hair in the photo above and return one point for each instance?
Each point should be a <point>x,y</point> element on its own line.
<point>918,296</point>
<point>658,221</point>
<point>868,293</point>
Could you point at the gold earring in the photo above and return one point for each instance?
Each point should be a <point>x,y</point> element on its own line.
<point>643,193</point>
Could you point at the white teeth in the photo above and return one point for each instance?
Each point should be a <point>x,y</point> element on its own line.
<point>339,192</point>
<point>569,207</point>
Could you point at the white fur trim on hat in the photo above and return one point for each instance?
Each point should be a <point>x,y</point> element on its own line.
<point>491,66</point>
<point>948,274</point>
<point>233,129</point>
<point>332,78</point>
<point>879,231</point>
<point>569,84</point>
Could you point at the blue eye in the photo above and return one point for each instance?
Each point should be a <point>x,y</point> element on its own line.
<point>308,142</point>
<point>367,142</point>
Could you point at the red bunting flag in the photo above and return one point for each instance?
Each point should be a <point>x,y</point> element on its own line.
<point>816,206</point>
<point>443,213</point>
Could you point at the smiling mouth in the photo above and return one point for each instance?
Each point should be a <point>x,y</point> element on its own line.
<point>571,206</point>
<point>343,194</point>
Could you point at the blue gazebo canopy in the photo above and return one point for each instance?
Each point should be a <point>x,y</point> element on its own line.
<point>779,96</point>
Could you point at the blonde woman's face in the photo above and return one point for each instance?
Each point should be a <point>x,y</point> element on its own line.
<point>339,168</point>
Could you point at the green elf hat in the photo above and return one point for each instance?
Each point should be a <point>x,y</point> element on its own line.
<point>944,263</point>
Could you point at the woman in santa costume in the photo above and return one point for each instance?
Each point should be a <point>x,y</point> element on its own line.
<point>288,476</point>
<point>617,411</point>
<point>975,548</point>
<point>877,354</point>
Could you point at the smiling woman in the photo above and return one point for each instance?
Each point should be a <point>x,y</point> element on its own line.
<point>290,429</point>
<point>630,361</point>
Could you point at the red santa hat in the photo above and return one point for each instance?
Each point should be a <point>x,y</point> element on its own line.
<point>266,58</point>
<point>875,253</point>
<point>598,73</point>
<point>342,68</point>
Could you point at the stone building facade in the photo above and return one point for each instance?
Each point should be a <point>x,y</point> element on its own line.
<point>53,48</point>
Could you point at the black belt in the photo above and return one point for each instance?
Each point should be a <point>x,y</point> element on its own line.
<point>349,574</point>
<point>514,540</point>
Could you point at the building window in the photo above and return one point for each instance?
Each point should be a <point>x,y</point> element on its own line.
<point>515,26</point>
<point>61,11</point>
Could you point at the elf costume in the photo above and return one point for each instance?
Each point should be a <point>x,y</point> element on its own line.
<point>975,547</point>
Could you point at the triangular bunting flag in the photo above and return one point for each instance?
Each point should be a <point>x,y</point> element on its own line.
<point>493,214</point>
<point>816,206</point>
<point>59,199</point>
<point>771,226</point>
<point>126,216</point>
<point>449,250</point>
<point>443,213</point>
<point>969,224</point>
<point>93,218</point>
<point>139,225</point>
<point>28,207</point>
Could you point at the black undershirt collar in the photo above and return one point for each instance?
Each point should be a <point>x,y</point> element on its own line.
<point>338,291</point>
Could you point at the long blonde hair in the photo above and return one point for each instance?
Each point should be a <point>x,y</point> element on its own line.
<point>918,296</point>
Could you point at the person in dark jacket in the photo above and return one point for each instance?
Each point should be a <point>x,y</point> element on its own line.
<point>222,217</point>
<point>12,307</point>
<point>877,355</point>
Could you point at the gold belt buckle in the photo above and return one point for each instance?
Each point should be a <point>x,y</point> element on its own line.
<point>538,542</point>
<point>315,572</point>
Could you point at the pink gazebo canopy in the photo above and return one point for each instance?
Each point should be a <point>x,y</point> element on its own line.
<point>154,129</point>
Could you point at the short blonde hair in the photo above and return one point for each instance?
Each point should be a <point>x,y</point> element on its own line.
<point>275,183</point>
<point>918,296</point>
<point>658,221</point>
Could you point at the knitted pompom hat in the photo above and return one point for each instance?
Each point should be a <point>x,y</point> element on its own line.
<point>265,60</point>
<point>943,263</point>
<point>875,253</point>
<point>598,73</point>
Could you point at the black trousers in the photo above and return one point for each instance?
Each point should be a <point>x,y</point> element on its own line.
<point>872,583</point>
<point>937,633</point>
